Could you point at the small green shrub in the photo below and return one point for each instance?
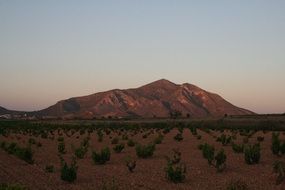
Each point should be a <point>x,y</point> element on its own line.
<point>166,130</point>
<point>100,135</point>
<point>275,144</point>
<point>145,151</point>
<point>158,139</point>
<point>208,152</point>
<point>217,160</point>
<point>25,154</point>
<point>220,160</point>
<point>175,173</point>
<point>131,164</point>
<point>252,154</point>
<point>125,137</point>
<point>131,143</point>
<point>119,147</point>
<point>85,142</point>
<point>282,148</point>
<point>277,147</point>
<point>279,169</point>
<point>12,147</point>
<point>175,157</point>
<point>68,173</point>
<point>81,151</point>
<point>193,131</point>
<point>102,157</point>
<point>180,129</point>
<point>224,139</point>
<point>178,137</point>
<point>61,147</point>
<point>238,148</point>
<point>49,169</point>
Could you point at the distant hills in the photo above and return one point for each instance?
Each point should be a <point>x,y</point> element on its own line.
<point>161,98</point>
<point>4,111</point>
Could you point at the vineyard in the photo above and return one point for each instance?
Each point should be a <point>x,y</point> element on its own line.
<point>172,154</point>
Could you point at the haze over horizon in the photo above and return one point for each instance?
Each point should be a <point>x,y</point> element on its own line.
<point>51,50</point>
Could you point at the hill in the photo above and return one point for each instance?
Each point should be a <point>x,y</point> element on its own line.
<point>161,98</point>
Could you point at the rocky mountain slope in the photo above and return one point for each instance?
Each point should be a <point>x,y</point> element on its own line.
<point>158,99</point>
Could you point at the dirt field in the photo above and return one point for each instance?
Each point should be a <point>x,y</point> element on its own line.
<point>149,173</point>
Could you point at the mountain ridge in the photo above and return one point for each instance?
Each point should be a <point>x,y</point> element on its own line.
<point>156,99</point>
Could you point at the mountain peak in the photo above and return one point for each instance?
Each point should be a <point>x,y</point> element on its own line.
<point>162,83</point>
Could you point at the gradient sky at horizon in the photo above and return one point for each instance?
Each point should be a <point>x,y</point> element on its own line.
<point>53,50</point>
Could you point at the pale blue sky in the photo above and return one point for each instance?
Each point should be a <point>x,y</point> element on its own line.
<point>53,50</point>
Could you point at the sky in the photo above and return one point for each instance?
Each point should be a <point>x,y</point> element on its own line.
<point>54,50</point>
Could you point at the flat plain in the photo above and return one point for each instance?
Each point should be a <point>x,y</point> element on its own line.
<point>43,139</point>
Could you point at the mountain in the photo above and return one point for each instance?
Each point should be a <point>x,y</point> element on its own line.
<point>3,111</point>
<point>157,99</point>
